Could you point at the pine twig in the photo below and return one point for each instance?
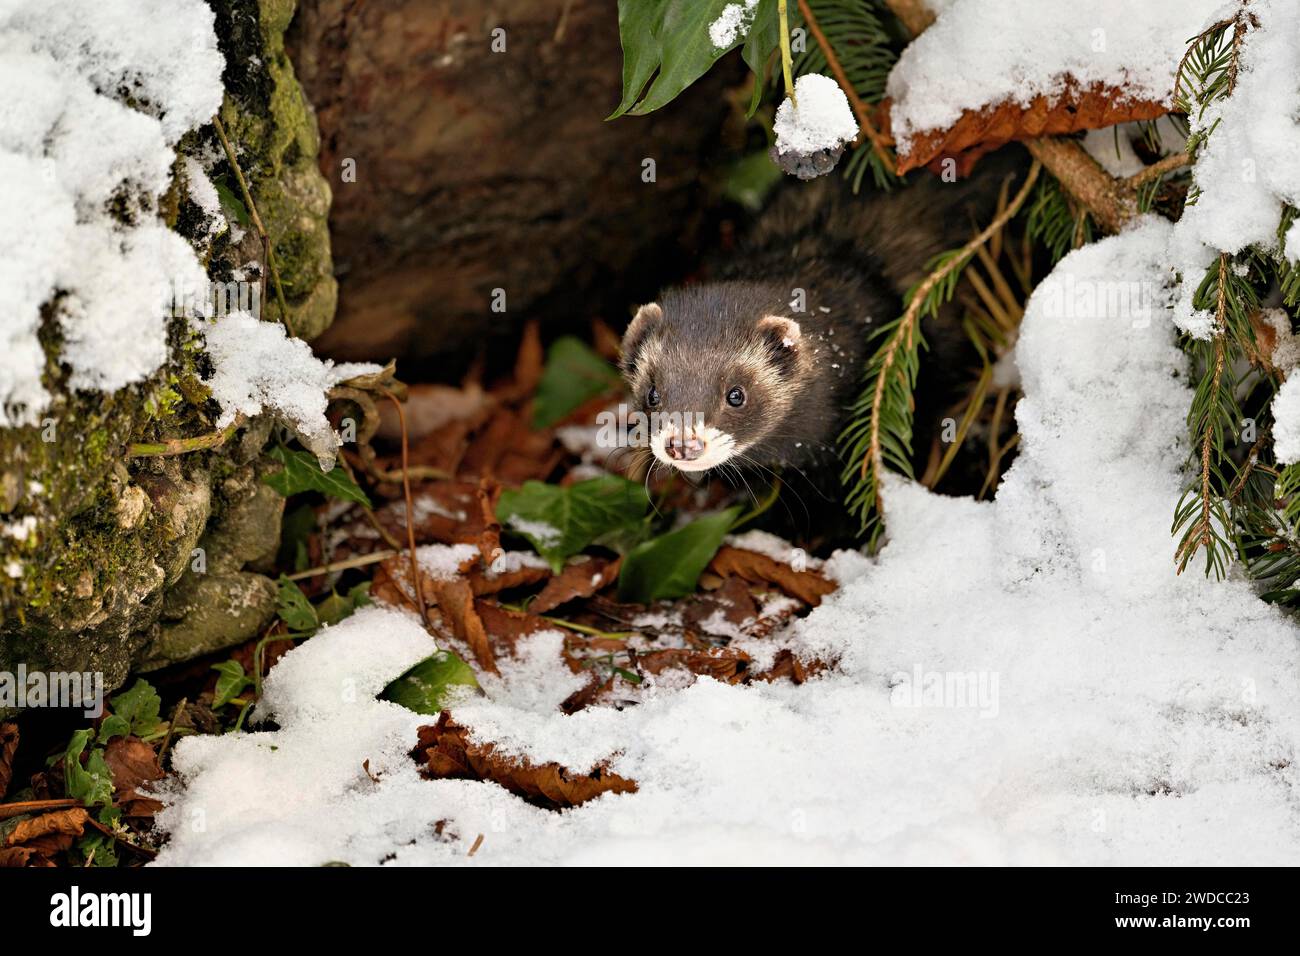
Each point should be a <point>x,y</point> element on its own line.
<point>873,462</point>
<point>868,128</point>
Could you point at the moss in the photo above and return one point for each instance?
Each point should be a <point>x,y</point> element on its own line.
<point>111,535</point>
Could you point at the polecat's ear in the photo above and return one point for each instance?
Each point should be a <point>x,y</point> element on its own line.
<point>781,331</point>
<point>645,321</point>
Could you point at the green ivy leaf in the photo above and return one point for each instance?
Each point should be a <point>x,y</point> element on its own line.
<point>301,473</point>
<point>338,606</point>
<point>561,521</point>
<point>113,726</point>
<point>574,373</point>
<point>93,783</point>
<point>232,682</point>
<point>231,203</point>
<point>670,566</point>
<point>672,37</point>
<point>294,608</point>
<point>137,707</point>
<point>424,688</point>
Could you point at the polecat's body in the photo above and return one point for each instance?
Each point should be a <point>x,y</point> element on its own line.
<point>757,379</point>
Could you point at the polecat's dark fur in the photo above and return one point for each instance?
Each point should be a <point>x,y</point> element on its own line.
<point>742,336</point>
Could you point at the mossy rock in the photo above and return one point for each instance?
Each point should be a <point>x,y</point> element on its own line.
<point>100,552</point>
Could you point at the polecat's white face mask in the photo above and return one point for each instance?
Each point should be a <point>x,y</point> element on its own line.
<point>698,448</point>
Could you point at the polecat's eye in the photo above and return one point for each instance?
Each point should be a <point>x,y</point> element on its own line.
<point>652,397</point>
<point>736,397</point>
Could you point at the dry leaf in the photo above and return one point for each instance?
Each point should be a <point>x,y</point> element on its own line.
<point>580,579</point>
<point>808,586</point>
<point>1074,109</point>
<point>447,751</point>
<point>70,823</point>
<point>505,628</point>
<point>455,601</point>
<point>132,762</point>
<point>720,663</point>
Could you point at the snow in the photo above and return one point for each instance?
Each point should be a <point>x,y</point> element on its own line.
<point>1286,422</point>
<point>259,368</point>
<point>1054,694</point>
<point>1246,169</point>
<point>69,146</point>
<point>980,53</point>
<point>822,120</point>
<point>732,24</point>
<point>81,173</point>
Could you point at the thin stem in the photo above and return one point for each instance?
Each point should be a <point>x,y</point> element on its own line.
<point>261,229</point>
<point>357,562</point>
<point>787,61</point>
<point>410,509</point>
<point>183,446</point>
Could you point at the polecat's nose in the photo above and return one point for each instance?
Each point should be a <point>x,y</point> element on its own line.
<point>684,449</point>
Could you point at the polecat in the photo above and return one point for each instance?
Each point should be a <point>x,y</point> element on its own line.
<point>757,367</point>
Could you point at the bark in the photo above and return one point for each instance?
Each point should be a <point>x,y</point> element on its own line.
<point>479,170</point>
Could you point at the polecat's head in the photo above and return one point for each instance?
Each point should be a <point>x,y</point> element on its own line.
<point>711,380</point>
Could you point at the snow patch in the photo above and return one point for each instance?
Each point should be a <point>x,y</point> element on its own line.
<point>822,120</point>
<point>980,53</point>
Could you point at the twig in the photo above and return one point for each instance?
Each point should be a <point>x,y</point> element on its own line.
<point>873,462</point>
<point>1158,169</point>
<point>410,509</point>
<point>8,810</point>
<point>171,727</point>
<point>868,128</point>
<point>1201,538</point>
<point>261,229</point>
<point>358,562</point>
<point>1107,199</point>
<point>183,446</point>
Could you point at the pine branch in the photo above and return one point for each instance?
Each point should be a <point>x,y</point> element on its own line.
<point>880,433</point>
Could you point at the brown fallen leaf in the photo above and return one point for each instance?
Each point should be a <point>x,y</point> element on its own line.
<point>447,752</point>
<point>788,665</point>
<point>488,533</point>
<point>19,856</point>
<point>132,763</point>
<point>455,601</point>
<point>70,823</point>
<point>505,628</point>
<point>1074,108</point>
<point>720,663</point>
<point>8,745</point>
<point>730,599</point>
<point>580,579</point>
<point>484,582</point>
<point>808,586</point>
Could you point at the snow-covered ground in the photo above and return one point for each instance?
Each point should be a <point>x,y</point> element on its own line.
<point>1019,681</point>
